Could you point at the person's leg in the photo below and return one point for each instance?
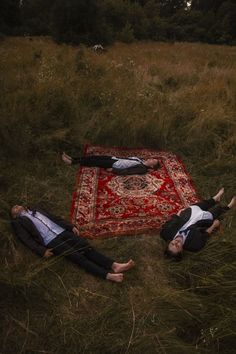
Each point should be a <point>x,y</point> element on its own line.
<point>206,204</point>
<point>75,241</point>
<point>93,268</point>
<point>67,243</point>
<point>96,161</point>
<point>106,262</point>
<point>218,210</point>
<point>74,250</point>
<point>89,161</point>
<point>89,266</point>
<point>209,203</point>
<point>99,258</point>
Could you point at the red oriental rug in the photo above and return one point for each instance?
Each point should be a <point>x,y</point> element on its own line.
<point>107,205</point>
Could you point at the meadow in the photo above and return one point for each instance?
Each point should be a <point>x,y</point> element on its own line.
<point>179,97</point>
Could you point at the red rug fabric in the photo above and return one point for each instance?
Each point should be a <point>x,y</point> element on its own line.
<point>107,205</point>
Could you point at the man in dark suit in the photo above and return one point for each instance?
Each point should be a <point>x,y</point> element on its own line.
<point>48,235</point>
<point>120,166</point>
<point>191,227</point>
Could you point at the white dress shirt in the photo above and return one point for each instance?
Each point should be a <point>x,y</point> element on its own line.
<point>126,163</point>
<point>197,214</point>
<point>46,227</point>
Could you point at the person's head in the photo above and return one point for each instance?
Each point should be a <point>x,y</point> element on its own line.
<point>16,210</point>
<point>174,249</point>
<point>152,163</point>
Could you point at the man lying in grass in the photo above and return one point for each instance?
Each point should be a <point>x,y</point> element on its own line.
<point>48,235</point>
<point>118,165</point>
<point>191,227</point>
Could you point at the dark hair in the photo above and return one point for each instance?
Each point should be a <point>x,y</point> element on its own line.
<point>174,256</point>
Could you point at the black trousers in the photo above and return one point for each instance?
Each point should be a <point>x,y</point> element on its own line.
<point>213,207</point>
<point>79,251</point>
<point>95,161</point>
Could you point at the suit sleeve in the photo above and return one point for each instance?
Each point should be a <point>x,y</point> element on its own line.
<point>133,170</point>
<point>196,240</point>
<point>203,237</point>
<point>170,228</point>
<point>27,239</point>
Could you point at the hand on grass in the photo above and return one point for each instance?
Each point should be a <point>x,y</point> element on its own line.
<point>216,223</point>
<point>48,253</point>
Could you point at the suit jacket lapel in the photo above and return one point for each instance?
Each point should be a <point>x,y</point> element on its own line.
<point>30,227</point>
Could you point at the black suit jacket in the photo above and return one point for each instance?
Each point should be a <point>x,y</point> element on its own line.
<point>139,169</point>
<point>197,236</point>
<point>25,230</point>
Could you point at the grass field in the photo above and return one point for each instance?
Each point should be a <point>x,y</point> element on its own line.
<point>177,97</point>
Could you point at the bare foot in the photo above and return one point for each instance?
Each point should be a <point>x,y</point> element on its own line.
<point>118,278</point>
<point>122,267</point>
<point>232,202</point>
<point>66,158</point>
<point>218,196</point>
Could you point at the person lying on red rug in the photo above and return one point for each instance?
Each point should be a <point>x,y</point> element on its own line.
<point>191,227</point>
<point>47,235</point>
<point>117,165</point>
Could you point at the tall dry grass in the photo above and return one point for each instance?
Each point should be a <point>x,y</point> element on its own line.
<point>178,97</point>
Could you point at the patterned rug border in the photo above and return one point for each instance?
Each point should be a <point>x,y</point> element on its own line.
<point>128,233</point>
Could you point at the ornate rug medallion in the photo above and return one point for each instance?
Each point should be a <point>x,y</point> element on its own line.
<point>135,186</point>
<point>107,205</point>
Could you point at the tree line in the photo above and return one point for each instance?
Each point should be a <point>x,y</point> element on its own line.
<point>105,21</point>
